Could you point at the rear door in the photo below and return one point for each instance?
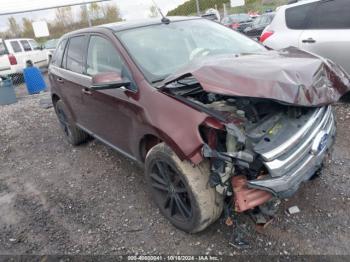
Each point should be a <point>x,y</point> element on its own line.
<point>328,32</point>
<point>69,79</point>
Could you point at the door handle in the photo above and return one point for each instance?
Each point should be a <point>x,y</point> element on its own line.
<point>309,40</point>
<point>86,91</point>
<point>60,80</point>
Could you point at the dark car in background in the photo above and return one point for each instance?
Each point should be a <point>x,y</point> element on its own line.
<point>259,24</point>
<point>214,117</point>
<point>237,21</point>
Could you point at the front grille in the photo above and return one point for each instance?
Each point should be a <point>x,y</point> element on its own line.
<point>293,152</point>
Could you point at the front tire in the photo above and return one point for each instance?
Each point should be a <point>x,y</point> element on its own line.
<point>73,134</point>
<point>181,191</point>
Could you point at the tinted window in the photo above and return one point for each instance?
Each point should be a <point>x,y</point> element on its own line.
<point>57,58</point>
<point>102,57</point>
<point>75,52</point>
<point>15,46</point>
<point>333,14</point>
<point>296,17</point>
<point>25,45</point>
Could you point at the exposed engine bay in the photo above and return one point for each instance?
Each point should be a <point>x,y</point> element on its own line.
<point>242,132</point>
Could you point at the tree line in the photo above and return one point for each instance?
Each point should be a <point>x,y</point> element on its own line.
<point>190,8</point>
<point>64,21</point>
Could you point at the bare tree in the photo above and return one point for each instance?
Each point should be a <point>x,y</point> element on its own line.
<point>27,28</point>
<point>95,11</point>
<point>153,11</point>
<point>64,16</point>
<point>14,28</point>
<point>84,16</point>
<point>111,13</point>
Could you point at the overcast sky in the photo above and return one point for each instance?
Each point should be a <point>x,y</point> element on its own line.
<point>130,9</point>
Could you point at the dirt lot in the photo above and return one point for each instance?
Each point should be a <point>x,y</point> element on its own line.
<point>57,199</point>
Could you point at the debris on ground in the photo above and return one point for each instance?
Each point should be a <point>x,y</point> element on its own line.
<point>293,210</point>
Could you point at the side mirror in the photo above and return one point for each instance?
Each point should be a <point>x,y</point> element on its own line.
<point>109,80</point>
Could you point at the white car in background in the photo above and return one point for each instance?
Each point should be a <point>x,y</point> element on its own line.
<point>14,53</point>
<point>319,26</point>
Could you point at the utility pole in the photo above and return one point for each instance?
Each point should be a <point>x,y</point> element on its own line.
<point>198,9</point>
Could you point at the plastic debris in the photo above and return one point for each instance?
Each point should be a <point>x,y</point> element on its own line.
<point>293,210</point>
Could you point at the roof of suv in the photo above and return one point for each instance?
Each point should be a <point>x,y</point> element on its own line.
<point>124,25</point>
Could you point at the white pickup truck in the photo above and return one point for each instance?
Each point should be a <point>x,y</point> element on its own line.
<point>15,52</point>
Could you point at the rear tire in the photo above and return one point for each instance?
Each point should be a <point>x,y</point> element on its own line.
<point>187,201</point>
<point>74,134</point>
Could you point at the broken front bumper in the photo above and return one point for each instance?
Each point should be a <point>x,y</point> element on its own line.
<point>298,158</point>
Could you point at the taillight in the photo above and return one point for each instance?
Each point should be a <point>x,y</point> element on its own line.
<point>265,35</point>
<point>12,59</point>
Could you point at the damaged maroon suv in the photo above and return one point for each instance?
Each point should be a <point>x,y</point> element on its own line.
<point>217,120</point>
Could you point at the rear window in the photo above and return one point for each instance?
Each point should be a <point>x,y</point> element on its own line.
<point>15,46</point>
<point>297,17</point>
<point>334,14</point>
<point>75,52</point>
<point>26,45</point>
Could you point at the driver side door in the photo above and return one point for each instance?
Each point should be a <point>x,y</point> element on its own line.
<point>109,113</point>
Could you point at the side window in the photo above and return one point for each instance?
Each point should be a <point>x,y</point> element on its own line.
<point>16,47</point>
<point>297,16</point>
<point>26,45</point>
<point>75,54</point>
<point>34,45</point>
<point>333,14</point>
<point>57,58</point>
<point>102,57</point>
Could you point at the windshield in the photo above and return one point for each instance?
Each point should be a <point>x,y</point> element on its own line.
<point>160,50</point>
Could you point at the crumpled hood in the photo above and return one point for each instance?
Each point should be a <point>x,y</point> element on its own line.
<point>289,76</point>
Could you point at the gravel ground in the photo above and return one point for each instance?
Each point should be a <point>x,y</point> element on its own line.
<point>57,199</point>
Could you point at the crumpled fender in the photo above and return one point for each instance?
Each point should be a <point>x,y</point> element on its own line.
<point>289,76</point>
